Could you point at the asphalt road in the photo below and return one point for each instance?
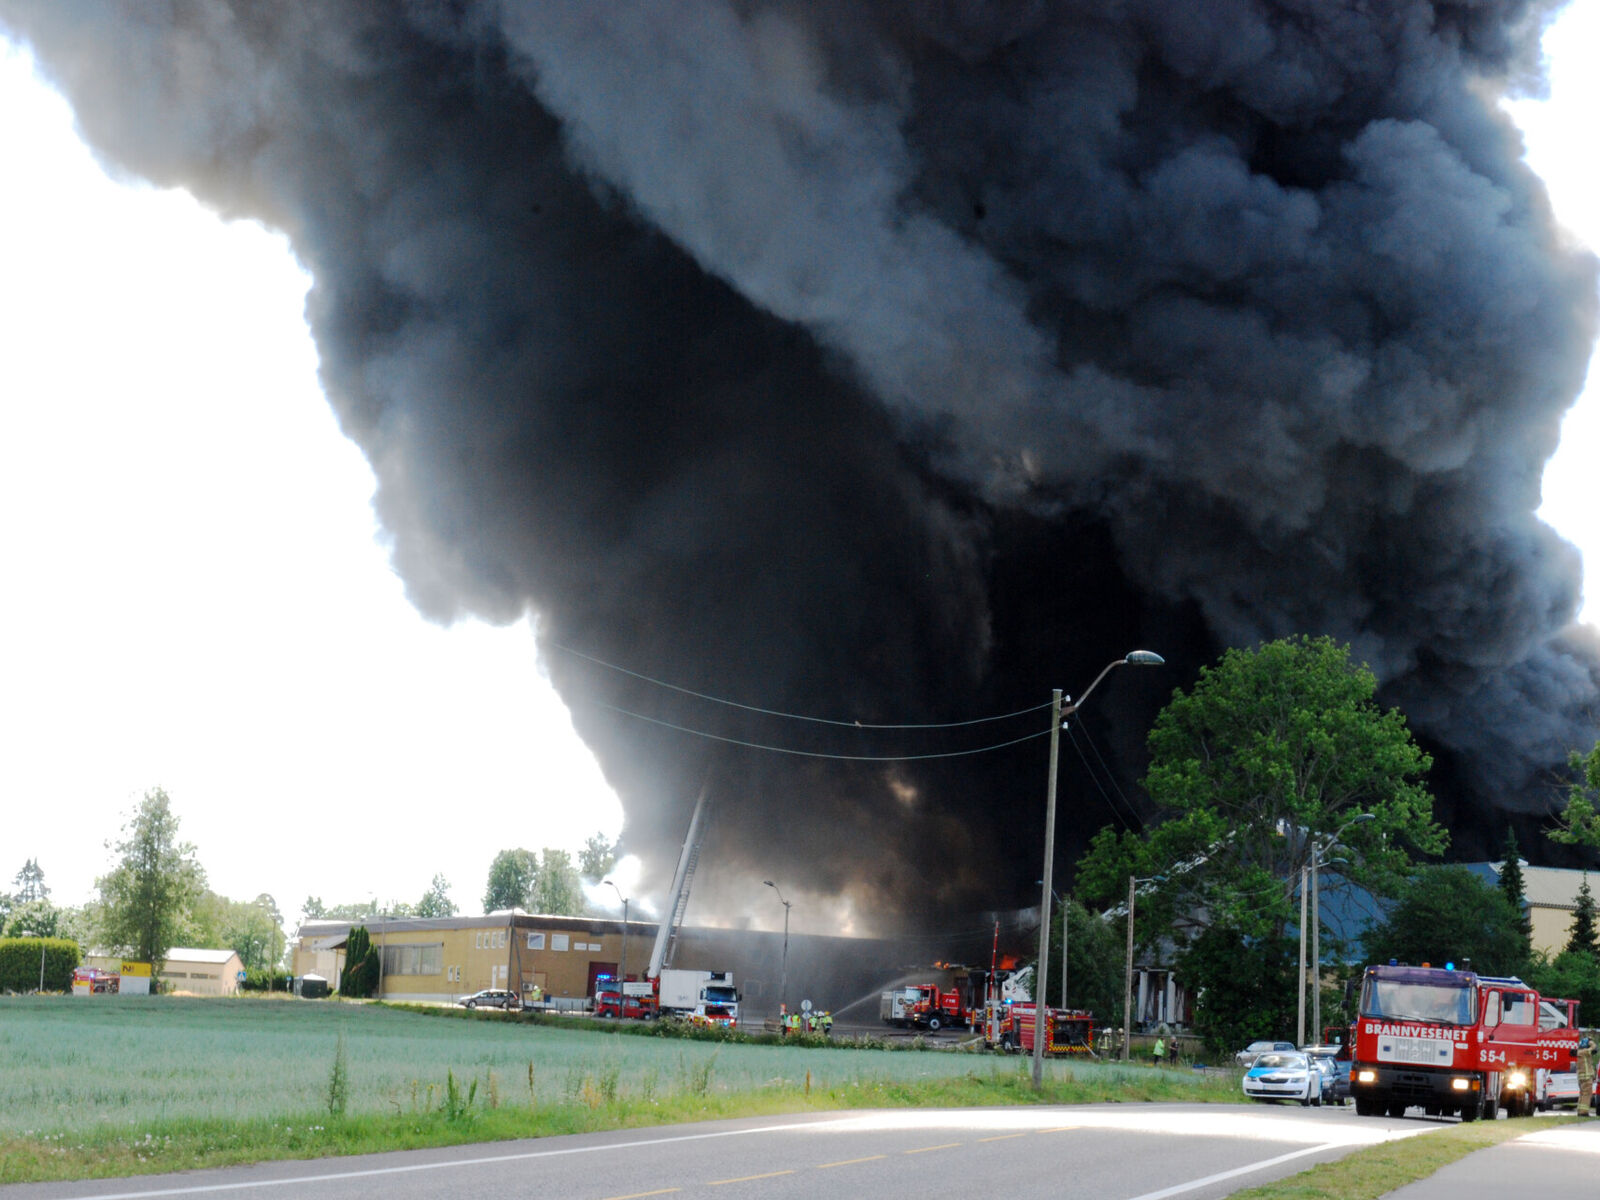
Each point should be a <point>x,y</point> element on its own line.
<point>1558,1163</point>
<point>1127,1151</point>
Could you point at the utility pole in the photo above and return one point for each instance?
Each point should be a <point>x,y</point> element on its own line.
<point>1300,1020</point>
<point>1040,997</point>
<point>1127,981</point>
<point>1316,953</point>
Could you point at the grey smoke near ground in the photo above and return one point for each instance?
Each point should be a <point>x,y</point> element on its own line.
<point>897,362</point>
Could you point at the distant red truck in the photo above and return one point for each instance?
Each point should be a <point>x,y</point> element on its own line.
<point>611,1003</point>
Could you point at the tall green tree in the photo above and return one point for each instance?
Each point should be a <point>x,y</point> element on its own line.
<point>30,883</point>
<point>1514,889</point>
<point>360,976</point>
<point>1451,914</point>
<point>598,856</point>
<point>1094,961</point>
<point>146,897</point>
<point>512,876</point>
<point>1572,975</point>
<point>1579,822</point>
<point>557,890</point>
<point>1584,937</point>
<point>32,918</point>
<point>436,900</point>
<point>1278,756</point>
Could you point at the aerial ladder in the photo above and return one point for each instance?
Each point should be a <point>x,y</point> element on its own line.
<point>667,932</point>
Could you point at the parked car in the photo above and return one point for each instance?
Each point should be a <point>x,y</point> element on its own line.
<point>1336,1082</point>
<point>491,998</point>
<point>1284,1075</point>
<point>1557,1089</point>
<point>1247,1056</point>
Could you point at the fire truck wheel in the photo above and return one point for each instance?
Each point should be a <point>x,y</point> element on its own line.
<point>1469,1112</point>
<point>1366,1107</point>
<point>933,1024</point>
<point>1397,1108</point>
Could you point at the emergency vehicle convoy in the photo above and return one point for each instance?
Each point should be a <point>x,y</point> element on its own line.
<point>1454,1042</point>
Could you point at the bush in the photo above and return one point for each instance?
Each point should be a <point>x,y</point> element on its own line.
<point>19,964</point>
<point>258,980</point>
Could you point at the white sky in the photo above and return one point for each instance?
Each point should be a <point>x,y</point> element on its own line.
<point>195,595</point>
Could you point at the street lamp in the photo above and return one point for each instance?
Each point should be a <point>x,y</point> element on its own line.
<point>1058,712</point>
<point>1127,975</point>
<point>622,969</point>
<point>783,986</point>
<point>1308,874</point>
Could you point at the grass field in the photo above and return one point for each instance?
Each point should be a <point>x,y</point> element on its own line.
<point>122,1085</point>
<point>74,1066</point>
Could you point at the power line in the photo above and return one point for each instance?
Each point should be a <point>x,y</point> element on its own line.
<point>772,712</point>
<point>716,737</point>
<point>1094,779</point>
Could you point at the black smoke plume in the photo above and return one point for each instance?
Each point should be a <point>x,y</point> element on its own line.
<point>895,362</point>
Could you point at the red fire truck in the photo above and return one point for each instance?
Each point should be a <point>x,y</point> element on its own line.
<point>1454,1042</point>
<point>1011,1026</point>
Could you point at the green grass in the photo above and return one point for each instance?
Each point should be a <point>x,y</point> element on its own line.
<point>1378,1170</point>
<point>105,1086</point>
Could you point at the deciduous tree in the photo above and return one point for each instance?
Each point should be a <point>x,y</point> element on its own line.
<point>598,856</point>
<point>1450,914</point>
<point>556,889</point>
<point>146,896</point>
<point>1275,758</point>
<point>512,876</point>
<point>436,900</point>
<point>1579,822</point>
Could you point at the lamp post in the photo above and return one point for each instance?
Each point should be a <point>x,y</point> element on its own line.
<point>622,968</point>
<point>783,986</point>
<point>1127,974</point>
<point>1061,708</point>
<point>1317,861</point>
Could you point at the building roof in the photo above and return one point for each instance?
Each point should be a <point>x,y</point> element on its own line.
<point>188,954</point>
<point>1542,887</point>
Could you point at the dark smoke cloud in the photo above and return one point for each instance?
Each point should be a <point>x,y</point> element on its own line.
<point>899,361</point>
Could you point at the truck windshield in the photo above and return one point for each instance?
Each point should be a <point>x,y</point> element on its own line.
<point>721,995</point>
<point>1393,1000</point>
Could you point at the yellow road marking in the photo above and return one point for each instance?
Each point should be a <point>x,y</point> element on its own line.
<point>1002,1137</point>
<point>747,1178</point>
<point>925,1149</point>
<point>852,1161</point>
<point>640,1195</point>
<point>1056,1129</point>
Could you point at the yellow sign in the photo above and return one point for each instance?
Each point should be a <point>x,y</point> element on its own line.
<point>135,968</point>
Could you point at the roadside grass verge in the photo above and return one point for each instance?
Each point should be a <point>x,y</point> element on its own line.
<point>1377,1170</point>
<point>130,1085</point>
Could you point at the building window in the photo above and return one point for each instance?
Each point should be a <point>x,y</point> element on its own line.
<point>536,941</point>
<point>414,960</point>
<point>558,941</point>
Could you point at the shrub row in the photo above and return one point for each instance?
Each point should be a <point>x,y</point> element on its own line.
<point>258,980</point>
<point>19,964</point>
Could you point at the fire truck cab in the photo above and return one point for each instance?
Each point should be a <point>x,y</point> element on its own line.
<point>1454,1042</point>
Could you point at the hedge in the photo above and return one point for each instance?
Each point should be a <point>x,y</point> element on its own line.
<point>258,980</point>
<point>19,964</point>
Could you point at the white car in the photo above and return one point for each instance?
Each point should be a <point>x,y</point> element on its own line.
<point>1247,1056</point>
<point>1284,1075</point>
<point>1557,1089</point>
